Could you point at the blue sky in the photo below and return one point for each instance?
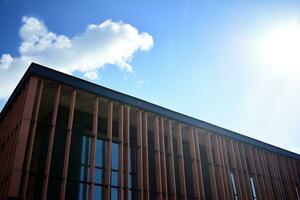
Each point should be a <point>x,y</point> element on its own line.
<point>210,60</point>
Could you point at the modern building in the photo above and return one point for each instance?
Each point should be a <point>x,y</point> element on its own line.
<point>65,138</point>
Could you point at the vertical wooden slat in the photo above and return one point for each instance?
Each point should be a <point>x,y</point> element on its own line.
<point>236,169</point>
<point>139,154</point>
<point>267,177</point>
<point>121,152</point>
<point>227,167</point>
<point>157,159</point>
<point>126,153</point>
<point>67,147</point>
<point>281,181</point>
<point>218,168</point>
<point>107,175</point>
<point>199,165</point>
<point>211,167</point>
<point>287,178</point>
<point>276,175</point>
<point>21,140</point>
<point>224,171</point>
<point>50,143</point>
<point>244,183</point>
<point>194,164</point>
<point>291,177</point>
<point>31,140</point>
<point>245,167</point>
<point>170,157</point>
<point>93,146</point>
<point>163,159</point>
<point>182,185</point>
<point>145,157</point>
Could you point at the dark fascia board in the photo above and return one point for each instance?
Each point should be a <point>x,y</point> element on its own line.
<point>42,71</point>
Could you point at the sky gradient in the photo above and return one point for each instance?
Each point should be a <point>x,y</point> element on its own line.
<point>203,59</point>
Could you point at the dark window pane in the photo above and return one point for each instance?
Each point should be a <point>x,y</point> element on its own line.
<point>113,193</point>
<point>98,176</point>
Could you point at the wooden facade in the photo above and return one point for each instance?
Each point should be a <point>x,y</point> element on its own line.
<point>59,141</point>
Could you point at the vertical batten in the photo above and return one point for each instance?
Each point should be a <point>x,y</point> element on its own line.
<point>31,140</point>
<point>211,167</point>
<point>227,167</point>
<point>139,155</point>
<point>199,165</point>
<point>235,168</point>
<point>259,169</point>
<point>145,157</point>
<point>126,153</point>
<point>67,147</point>
<point>163,159</point>
<point>245,167</point>
<point>241,171</point>
<point>16,116</point>
<point>121,148</point>
<point>21,140</point>
<point>157,158</point>
<point>50,144</point>
<point>267,177</point>
<point>182,185</point>
<point>170,158</point>
<point>107,176</point>
<point>218,168</point>
<point>93,146</point>
<point>222,163</point>
<point>194,164</point>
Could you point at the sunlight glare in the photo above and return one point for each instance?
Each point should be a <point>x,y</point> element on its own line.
<point>280,48</point>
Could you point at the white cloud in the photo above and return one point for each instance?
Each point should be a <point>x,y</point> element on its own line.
<point>110,42</point>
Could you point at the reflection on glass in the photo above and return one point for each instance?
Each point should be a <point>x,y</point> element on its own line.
<point>253,188</point>
<point>233,186</point>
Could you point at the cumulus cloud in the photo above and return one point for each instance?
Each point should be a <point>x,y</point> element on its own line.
<point>108,43</point>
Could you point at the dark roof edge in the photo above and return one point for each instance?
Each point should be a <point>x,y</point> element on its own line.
<point>39,70</point>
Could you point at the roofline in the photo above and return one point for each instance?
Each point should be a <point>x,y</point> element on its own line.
<point>42,71</point>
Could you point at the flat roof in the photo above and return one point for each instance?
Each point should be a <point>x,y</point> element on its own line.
<point>42,71</point>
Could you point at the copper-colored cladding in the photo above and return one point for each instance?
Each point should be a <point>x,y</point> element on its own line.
<point>107,178</point>
<point>31,140</point>
<point>139,155</point>
<point>9,134</point>
<point>235,168</point>
<point>240,168</point>
<point>275,175</point>
<point>157,158</point>
<point>218,170</point>
<point>126,153</point>
<point>67,147</point>
<point>199,165</point>
<point>290,190</point>
<point>255,175</point>
<point>182,185</point>
<point>245,168</point>
<point>93,146</point>
<point>211,167</point>
<point>266,175</point>
<point>145,157</point>
<point>50,144</point>
<point>121,148</point>
<point>223,167</point>
<point>170,160</point>
<point>20,149</point>
<point>163,159</point>
<point>227,168</point>
<point>194,164</point>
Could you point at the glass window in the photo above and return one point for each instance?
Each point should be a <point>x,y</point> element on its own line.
<point>233,186</point>
<point>114,193</point>
<point>114,160</point>
<point>252,188</point>
<point>97,192</point>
